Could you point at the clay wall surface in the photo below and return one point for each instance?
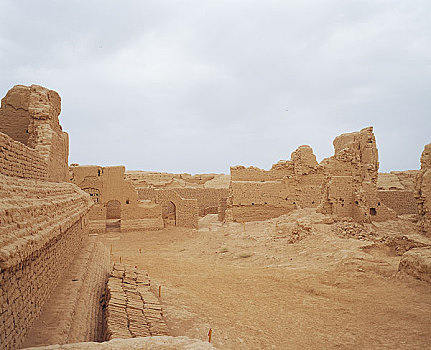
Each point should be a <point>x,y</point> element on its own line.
<point>42,226</point>
<point>257,194</point>
<point>207,189</point>
<point>186,209</point>
<point>402,202</point>
<point>351,185</point>
<point>29,115</point>
<point>18,160</point>
<point>344,185</point>
<point>396,191</point>
<point>423,192</point>
<point>107,185</point>
<point>78,300</point>
<point>42,223</point>
<point>132,310</point>
<point>207,198</point>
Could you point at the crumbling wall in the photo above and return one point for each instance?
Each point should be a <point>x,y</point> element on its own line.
<point>186,209</point>
<point>396,191</point>
<point>74,311</point>
<point>106,184</point>
<point>18,160</point>
<point>351,179</point>
<point>132,310</point>
<point>29,115</point>
<point>257,194</point>
<point>423,192</point>
<point>42,226</point>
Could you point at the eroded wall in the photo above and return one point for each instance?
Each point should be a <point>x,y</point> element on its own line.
<point>107,186</point>
<point>29,115</point>
<point>257,194</point>
<point>42,226</point>
<point>42,223</point>
<point>423,192</point>
<point>343,185</point>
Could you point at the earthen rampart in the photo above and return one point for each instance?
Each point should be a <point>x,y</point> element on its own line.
<point>42,224</point>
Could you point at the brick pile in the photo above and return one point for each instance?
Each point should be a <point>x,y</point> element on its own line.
<point>132,309</point>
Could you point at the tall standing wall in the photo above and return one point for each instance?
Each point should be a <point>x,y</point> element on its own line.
<point>42,223</point>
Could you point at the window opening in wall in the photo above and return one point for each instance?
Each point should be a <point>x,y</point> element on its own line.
<point>127,201</point>
<point>98,172</point>
<point>94,193</point>
<point>373,211</point>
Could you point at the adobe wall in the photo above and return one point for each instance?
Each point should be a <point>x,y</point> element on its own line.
<point>423,192</point>
<point>74,311</point>
<point>207,198</point>
<point>350,188</point>
<point>396,191</point>
<point>29,115</point>
<point>186,209</point>
<point>42,226</point>
<point>107,185</point>
<point>343,185</point>
<point>19,160</point>
<point>42,223</point>
<point>257,194</point>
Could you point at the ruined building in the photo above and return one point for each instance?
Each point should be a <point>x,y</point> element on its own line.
<point>116,203</point>
<point>344,185</point>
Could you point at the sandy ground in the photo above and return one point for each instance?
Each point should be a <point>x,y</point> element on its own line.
<point>295,282</point>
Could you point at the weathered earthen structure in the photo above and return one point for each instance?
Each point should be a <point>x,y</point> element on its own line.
<point>350,188</point>
<point>116,201</point>
<point>29,115</point>
<point>42,224</point>
<point>344,185</point>
<point>423,192</point>
<point>184,191</point>
<point>257,194</point>
<point>396,191</point>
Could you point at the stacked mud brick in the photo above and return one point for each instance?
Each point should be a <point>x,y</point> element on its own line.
<point>42,224</point>
<point>132,309</point>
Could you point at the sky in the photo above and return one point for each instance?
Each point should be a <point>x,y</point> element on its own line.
<point>199,86</point>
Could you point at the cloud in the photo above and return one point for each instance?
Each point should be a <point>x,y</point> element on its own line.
<point>192,86</point>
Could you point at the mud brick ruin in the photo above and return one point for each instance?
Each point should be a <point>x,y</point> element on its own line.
<point>48,209</point>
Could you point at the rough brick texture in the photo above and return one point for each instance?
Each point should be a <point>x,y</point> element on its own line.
<point>42,226</point>
<point>132,309</point>
<point>18,160</point>
<point>74,312</point>
<point>29,115</point>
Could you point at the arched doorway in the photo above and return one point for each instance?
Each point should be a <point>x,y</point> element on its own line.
<point>113,216</point>
<point>169,214</point>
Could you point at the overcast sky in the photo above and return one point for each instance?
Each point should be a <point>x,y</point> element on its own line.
<point>198,86</point>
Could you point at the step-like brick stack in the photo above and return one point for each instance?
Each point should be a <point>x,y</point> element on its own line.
<point>132,309</point>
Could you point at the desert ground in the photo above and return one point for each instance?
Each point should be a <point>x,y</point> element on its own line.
<point>300,281</point>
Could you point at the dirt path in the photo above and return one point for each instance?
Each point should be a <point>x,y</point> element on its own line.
<point>321,292</point>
